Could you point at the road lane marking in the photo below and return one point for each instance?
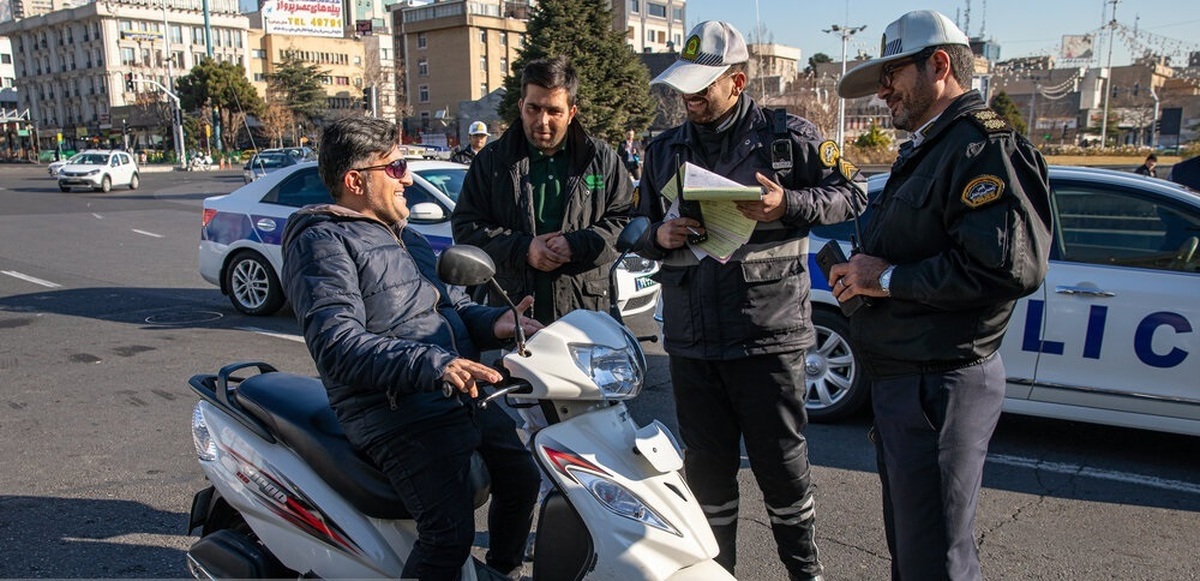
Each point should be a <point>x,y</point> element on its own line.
<point>97,216</point>
<point>27,278</point>
<point>1112,475</point>
<point>264,332</point>
<point>150,234</point>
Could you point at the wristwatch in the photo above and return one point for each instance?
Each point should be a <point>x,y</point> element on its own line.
<point>885,280</point>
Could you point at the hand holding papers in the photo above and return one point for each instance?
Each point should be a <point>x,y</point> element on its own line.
<point>727,228</point>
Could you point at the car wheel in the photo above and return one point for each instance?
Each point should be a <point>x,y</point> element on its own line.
<point>253,287</point>
<point>105,185</point>
<point>134,182</point>
<point>837,384</point>
<point>62,188</point>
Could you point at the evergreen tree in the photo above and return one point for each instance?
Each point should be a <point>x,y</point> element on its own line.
<point>614,85</point>
<point>223,86</point>
<point>298,86</point>
<point>1008,110</point>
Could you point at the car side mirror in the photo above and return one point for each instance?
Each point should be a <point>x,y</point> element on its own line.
<point>427,212</point>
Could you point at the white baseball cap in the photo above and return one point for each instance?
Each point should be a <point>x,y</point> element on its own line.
<point>477,128</point>
<point>710,48</point>
<point>913,32</point>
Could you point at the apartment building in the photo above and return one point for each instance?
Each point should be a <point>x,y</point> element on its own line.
<point>651,25</point>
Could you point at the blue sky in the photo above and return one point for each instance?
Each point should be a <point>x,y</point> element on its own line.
<point>1021,27</point>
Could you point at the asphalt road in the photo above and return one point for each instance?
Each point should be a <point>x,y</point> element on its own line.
<point>103,317</point>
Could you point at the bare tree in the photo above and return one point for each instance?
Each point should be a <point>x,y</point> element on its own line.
<point>277,121</point>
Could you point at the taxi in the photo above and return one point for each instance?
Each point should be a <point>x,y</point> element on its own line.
<point>241,233</point>
<point>1111,337</point>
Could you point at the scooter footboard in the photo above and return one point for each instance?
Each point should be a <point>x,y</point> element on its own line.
<point>643,522</point>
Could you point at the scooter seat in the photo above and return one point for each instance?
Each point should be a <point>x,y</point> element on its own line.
<point>296,410</point>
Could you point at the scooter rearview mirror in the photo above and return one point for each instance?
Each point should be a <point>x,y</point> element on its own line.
<point>633,231</point>
<point>465,265</point>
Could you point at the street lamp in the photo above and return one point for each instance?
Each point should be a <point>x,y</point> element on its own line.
<point>1112,29</point>
<point>846,33</point>
<point>177,118</point>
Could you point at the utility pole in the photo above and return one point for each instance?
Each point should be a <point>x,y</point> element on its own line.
<point>845,32</point>
<point>1112,30</point>
<point>177,120</point>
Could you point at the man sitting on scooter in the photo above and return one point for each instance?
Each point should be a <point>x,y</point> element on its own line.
<point>386,334</point>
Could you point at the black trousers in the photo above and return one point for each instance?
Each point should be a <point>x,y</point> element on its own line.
<point>760,400</point>
<point>931,439</point>
<point>428,463</point>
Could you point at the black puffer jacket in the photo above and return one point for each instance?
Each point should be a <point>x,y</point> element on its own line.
<point>495,212</point>
<point>758,301</point>
<point>379,324</point>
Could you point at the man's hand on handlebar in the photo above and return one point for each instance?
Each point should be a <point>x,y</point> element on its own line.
<point>462,373</point>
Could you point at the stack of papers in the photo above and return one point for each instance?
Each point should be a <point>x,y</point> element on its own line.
<point>727,228</point>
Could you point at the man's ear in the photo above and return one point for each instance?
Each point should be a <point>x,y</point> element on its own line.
<point>352,183</point>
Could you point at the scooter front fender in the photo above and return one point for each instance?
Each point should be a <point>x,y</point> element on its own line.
<point>648,525</point>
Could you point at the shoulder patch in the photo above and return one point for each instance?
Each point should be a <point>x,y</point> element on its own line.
<point>990,121</point>
<point>828,150</point>
<point>982,190</point>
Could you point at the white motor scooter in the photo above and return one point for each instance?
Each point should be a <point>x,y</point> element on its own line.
<point>291,497</point>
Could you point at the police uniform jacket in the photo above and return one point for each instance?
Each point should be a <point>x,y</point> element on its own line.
<point>495,212</point>
<point>966,220</point>
<point>379,324</point>
<point>463,154</point>
<point>758,301</point>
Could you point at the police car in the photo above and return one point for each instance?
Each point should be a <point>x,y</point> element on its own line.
<point>1112,336</point>
<point>241,233</point>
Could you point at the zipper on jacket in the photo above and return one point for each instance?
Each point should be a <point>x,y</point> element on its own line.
<point>391,397</point>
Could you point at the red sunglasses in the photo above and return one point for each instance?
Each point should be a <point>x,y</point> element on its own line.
<point>395,169</point>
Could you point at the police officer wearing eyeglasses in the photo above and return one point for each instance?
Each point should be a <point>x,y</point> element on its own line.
<point>386,335</point>
<point>959,233</point>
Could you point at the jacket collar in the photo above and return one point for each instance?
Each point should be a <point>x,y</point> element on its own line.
<point>579,147</point>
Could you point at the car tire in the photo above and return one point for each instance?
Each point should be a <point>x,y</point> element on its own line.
<point>62,188</point>
<point>134,182</point>
<point>252,285</point>
<point>835,378</point>
<point>105,185</point>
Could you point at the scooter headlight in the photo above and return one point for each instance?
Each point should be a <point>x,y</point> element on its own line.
<point>206,448</point>
<point>617,372</point>
<point>621,501</point>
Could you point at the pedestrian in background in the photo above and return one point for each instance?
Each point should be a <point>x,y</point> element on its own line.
<point>477,137</point>
<point>1147,167</point>
<point>630,152</point>
<point>959,233</point>
<point>736,331</point>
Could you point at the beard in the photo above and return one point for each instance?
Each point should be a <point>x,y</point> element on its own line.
<point>913,108</point>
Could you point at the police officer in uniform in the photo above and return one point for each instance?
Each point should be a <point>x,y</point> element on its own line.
<point>960,232</point>
<point>477,138</point>
<point>736,331</point>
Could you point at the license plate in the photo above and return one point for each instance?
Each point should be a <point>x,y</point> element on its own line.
<point>642,282</point>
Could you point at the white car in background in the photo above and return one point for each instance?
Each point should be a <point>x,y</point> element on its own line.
<point>57,165</point>
<point>1112,336</point>
<point>100,171</point>
<point>241,233</point>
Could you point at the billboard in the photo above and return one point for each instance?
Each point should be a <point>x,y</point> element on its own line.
<point>303,17</point>
<point>1076,47</point>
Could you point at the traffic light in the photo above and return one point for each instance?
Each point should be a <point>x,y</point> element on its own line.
<point>368,97</point>
<point>129,86</point>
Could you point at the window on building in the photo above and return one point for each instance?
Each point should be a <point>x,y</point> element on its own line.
<point>6,59</point>
<point>176,34</point>
<point>197,35</point>
<point>423,68</point>
<point>342,81</point>
<point>423,94</point>
<point>483,63</point>
<point>677,14</point>
<point>260,78</point>
<point>482,37</point>
<point>483,90</point>
<point>122,25</point>
<point>177,58</point>
<point>258,53</point>
<point>422,42</point>
<point>503,38</point>
<point>635,6</point>
<point>656,10</point>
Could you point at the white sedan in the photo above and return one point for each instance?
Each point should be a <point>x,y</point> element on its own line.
<point>100,171</point>
<point>1112,336</point>
<point>241,233</point>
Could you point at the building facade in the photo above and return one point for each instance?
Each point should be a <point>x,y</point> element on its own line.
<point>651,25</point>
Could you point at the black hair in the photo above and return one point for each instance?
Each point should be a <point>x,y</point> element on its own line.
<point>351,141</point>
<point>551,73</point>
<point>962,62</point>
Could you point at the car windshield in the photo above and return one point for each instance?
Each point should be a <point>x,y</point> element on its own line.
<point>448,180</point>
<point>91,159</point>
<point>272,161</point>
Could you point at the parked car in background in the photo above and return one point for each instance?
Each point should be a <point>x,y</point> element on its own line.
<point>100,170</point>
<point>265,162</point>
<point>241,233</point>
<point>1112,336</point>
<point>297,153</point>
<point>57,165</point>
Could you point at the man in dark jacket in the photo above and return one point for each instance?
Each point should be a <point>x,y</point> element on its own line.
<point>960,232</point>
<point>546,201</point>
<point>386,335</point>
<point>736,331</point>
<point>477,138</point>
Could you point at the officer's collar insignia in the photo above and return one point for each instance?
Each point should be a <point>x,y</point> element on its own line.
<point>982,190</point>
<point>828,150</point>
<point>691,50</point>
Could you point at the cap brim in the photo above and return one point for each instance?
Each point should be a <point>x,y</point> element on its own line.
<point>689,78</point>
<point>863,80</point>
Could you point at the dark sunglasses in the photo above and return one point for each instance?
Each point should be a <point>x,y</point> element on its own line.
<point>890,69</point>
<point>704,92</point>
<point>395,169</point>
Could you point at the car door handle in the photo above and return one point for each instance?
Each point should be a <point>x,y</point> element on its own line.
<point>1080,290</point>
<point>265,224</point>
